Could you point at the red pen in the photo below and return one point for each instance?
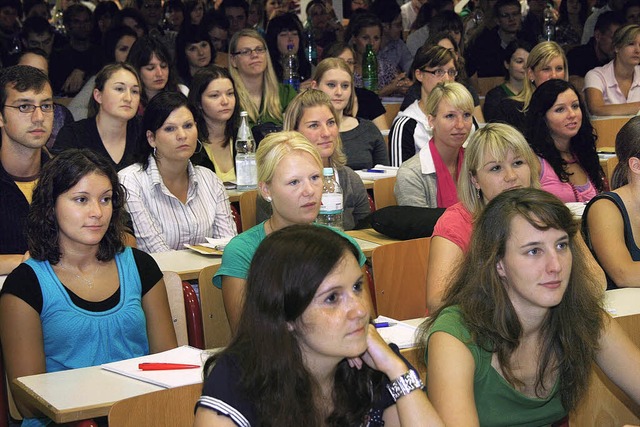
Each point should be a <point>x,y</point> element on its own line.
<point>165,366</point>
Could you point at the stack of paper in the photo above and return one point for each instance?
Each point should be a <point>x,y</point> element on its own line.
<point>169,378</point>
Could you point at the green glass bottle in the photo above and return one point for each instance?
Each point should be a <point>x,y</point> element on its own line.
<point>370,69</point>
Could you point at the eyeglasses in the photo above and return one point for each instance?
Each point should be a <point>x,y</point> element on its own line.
<point>30,108</point>
<point>248,52</point>
<point>439,73</point>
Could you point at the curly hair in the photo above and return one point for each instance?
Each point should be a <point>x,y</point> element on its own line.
<point>567,347</point>
<point>583,144</point>
<point>58,176</point>
<point>285,273</point>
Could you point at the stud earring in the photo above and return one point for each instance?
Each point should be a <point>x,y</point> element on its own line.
<point>268,199</point>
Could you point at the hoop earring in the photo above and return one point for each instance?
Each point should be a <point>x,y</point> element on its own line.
<point>478,195</point>
<point>200,146</point>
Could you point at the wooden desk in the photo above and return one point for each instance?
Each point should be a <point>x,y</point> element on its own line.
<point>186,263</point>
<point>234,195</point>
<point>78,394</point>
<point>605,404</point>
<point>371,235</point>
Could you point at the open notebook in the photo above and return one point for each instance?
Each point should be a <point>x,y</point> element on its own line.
<point>168,379</point>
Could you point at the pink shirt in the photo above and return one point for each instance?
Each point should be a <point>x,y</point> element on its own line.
<point>564,191</point>
<point>455,225</point>
<point>603,79</point>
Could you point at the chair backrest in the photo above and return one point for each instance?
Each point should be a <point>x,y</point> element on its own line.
<point>194,316</point>
<point>400,278</point>
<point>165,408</point>
<point>485,84</point>
<point>391,111</point>
<point>173,284</point>
<point>248,209</point>
<point>607,129</point>
<point>215,325</point>
<point>383,194</point>
<point>609,168</point>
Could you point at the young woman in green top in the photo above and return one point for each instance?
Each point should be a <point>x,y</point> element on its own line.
<point>258,90</point>
<point>523,322</point>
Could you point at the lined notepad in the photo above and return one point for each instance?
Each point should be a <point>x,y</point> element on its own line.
<point>168,379</point>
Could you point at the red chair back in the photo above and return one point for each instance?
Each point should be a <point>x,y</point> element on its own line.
<point>194,316</point>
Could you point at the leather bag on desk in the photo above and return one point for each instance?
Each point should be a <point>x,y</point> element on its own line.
<point>405,222</point>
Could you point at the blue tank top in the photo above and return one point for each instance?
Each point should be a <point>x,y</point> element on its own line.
<point>77,338</point>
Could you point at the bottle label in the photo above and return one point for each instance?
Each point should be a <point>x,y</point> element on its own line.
<point>331,203</point>
<point>295,83</point>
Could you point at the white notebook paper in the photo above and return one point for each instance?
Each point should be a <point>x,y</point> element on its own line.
<point>401,334</point>
<point>168,379</point>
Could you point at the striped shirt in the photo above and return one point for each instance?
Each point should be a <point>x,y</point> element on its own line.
<point>162,222</point>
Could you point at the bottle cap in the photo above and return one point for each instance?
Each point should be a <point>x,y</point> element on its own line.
<point>243,114</point>
<point>327,171</point>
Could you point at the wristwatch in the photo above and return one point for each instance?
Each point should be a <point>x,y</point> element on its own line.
<point>404,385</point>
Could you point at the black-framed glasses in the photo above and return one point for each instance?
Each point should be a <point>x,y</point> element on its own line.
<point>260,50</point>
<point>46,108</point>
<point>439,73</point>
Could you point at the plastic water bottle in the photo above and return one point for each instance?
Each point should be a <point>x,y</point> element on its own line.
<point>290,74</point>
<point>332,205</point>
<point>549,25</point>
<point>370,70</point>
<point>310,48</point>
<point>246,169</point>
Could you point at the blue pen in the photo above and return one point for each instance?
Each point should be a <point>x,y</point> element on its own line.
<point>375,170</point>
<point>383,324</point>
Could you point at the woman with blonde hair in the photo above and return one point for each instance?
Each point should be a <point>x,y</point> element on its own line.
<point>546,61</point>
<point>497,158</point>
<point>411,130</point>
<point>312,114</point>
<point>428,179</point>
<point>290,179</point>
<point>259,93</point>
<point>614,88</point>
<point>362,141</point>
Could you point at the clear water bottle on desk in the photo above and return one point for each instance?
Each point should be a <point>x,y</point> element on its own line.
<point>290,74</point>
<point>332,205</point>
<point>246,169</point>
<point>370,70</point>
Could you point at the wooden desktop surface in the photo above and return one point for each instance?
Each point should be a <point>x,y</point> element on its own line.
<point>187,263</point>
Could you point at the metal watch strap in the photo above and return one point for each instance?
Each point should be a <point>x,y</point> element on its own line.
<point>404,385</point>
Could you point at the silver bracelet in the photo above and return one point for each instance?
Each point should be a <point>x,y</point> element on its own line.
<point>404,384</point>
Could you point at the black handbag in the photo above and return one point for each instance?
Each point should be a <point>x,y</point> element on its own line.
<point>405,222</point>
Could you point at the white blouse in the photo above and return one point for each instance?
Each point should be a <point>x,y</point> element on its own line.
<point>162,222</point>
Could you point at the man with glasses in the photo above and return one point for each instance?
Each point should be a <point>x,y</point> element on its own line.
<point>485,55</point>
<point>26,118</point>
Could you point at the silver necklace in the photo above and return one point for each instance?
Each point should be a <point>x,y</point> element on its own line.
<point>88,282</point>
